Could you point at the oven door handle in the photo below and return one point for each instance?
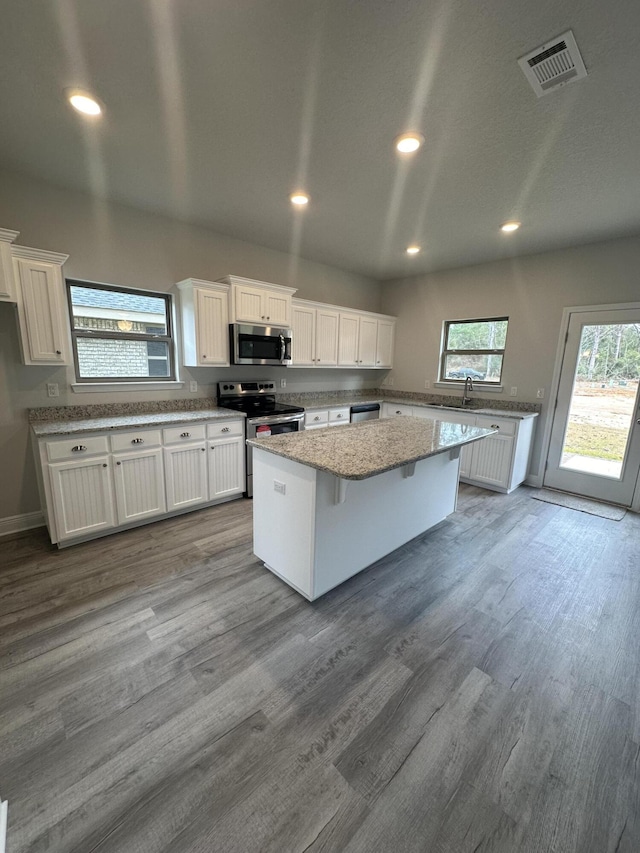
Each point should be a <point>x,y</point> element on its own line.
<point>276,419</point>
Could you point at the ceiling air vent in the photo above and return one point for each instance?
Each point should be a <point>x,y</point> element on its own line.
<point>553,65</point>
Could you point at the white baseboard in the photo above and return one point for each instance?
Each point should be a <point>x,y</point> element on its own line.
<point>534,480</point>
<point>17,523</point>
<point>4,806</point>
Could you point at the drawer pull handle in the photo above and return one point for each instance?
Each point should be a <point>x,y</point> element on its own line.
<point>398,412</point>
<point>225,429</point>
<point>317,418</point>
<point>137,441</point>
<point>78,448</point>
<point>495,426</point>
<point>185,435</point>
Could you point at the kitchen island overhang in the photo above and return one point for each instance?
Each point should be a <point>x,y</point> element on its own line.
<point>329,503</point>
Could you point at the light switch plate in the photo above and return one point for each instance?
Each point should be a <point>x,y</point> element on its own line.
<point>279,487</point>
<point>514,391</point>
<point>53,389</point>
<point>193,385</point>
<point>427,385</point>
<point>283,383</point>
<point>540,393</point>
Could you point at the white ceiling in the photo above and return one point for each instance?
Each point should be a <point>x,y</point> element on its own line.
<point>217,109</point>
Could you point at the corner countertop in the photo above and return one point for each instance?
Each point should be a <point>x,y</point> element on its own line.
<point>362,450</point>
<point>43,429</point>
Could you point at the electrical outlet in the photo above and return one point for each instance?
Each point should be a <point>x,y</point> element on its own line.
<point>52,389</point>
<point>540,393</point>
<point>283,383</point>
<point>427,385</point>
<point>279,487</point>
<point>514,391</point>
<point>193,385</point>
<point>389,380</point>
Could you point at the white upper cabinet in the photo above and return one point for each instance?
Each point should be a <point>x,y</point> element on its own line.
<point>366,340</point>
<point>259,302</point>
<point>204,314</point>
<point>315,335</point>
<point>7,285</point>
<point>384,343</point>
<point>42,306</point>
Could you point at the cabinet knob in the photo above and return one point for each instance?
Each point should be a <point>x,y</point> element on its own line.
<point>225,429</point>
<point>104,464</point>
<point>118,463</point>
<point>78,448</point>
<point>495,426</point>
<point>205,355</point>
<point>317,418</point>
<point>203,449</point>
<point>137,441</point>
<point>185,435</point>
<point>58,352</point>
<point>268,318</point>
<point>398,412</point>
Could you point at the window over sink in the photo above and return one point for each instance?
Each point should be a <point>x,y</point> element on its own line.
<point>475,349</point>
<point>120,335</point>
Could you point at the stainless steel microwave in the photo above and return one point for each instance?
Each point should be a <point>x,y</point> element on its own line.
<point>259,344</point>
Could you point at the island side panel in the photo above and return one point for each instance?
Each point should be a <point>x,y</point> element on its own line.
<point>379,515</point>
<point>284,524</point>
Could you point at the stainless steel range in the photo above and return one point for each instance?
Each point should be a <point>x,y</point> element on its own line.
<point>264,415</point>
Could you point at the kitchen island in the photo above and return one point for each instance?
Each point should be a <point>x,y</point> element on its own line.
<point>329,503</point>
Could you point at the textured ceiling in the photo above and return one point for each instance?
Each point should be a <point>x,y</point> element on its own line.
<point>217,109</point>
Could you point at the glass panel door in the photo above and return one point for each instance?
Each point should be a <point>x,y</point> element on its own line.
<point>595,446</point>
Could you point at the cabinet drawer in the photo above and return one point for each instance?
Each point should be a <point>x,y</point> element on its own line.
<point>137,439</point>
<point>224,429</point>
<point>504,425</point>
<point>182,434</point>
<point>77,448</point>
<point>339,416</point>
<point>392,410</point>
<point>316,417</point>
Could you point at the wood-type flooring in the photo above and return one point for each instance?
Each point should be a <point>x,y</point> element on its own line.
<point>477,690</point>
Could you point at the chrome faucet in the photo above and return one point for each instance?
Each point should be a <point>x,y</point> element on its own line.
<point>468,387</point>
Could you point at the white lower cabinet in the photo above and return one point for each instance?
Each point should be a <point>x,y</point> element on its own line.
<point>499,462</point>
<point>139,485</point>
<point>186,475</point>
<point>127,478</point>
<point>82,496</point>
<point>226,467</point>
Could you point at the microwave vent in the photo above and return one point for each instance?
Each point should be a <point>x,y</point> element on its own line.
<point>553,64</point>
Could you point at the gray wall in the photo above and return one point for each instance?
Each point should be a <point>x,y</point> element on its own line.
<point>120,245</point>
<point>532,291</point>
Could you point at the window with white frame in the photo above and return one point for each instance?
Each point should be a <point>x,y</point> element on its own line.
<point>475,349</point>
<point>120,335</point>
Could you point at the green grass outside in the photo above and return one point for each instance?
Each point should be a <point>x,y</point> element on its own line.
<point>597,441</point>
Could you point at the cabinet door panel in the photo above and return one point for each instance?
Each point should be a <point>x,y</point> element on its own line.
<point>348,340</point>
<point>249,305</point>
<point>277,309</point>
<point>226,467</point>
<point>491,461</point>
<point>82,496</point>
<point>303,346</point>
<point>41,312</point>
<point>212,327</point>
<point>139,484</point>
<point>384,344</point>
<point>466,456</point>
<point>186,475</point>
<point>327,337</point>
<point>367,339</point>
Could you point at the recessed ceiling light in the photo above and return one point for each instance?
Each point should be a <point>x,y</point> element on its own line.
<point>83,102</point>
<point>409,142</point>
<point>412,250</point>
<point>508,227</point>
<point>299,199</point>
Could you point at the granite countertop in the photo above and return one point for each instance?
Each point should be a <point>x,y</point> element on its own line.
<point>363,450</point>
<point>42,429</point>
<point>331,401</point>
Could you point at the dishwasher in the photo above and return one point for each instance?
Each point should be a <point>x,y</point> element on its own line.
<point>365,412</point>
